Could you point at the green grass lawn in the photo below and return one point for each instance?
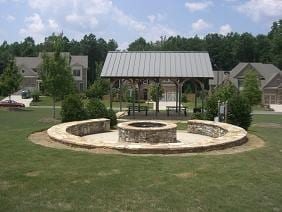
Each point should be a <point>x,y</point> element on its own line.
<point>36,178</point>
<point>45,101</point>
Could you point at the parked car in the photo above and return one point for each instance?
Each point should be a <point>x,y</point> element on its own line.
<point>26,94</point>
<point>11,103</point>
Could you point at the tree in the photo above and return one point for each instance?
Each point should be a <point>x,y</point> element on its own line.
<point>98,89</point>
<point>56,74</point>
<point>251,89</point>
<point>153,89</point>
<point>72,108</point>
<point>10,79</point>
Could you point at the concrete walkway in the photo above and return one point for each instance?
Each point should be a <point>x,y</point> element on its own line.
<point>276,108</point>
<point>18,98</point>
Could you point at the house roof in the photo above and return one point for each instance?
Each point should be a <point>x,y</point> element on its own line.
<point>28,64</point>
<point>161,64</point>
<point>277,84</point>
<point>219,77</point>
<point>81,60</point>
<point>265,70</point>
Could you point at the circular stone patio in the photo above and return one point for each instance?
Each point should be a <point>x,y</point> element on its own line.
<point>201,136</point>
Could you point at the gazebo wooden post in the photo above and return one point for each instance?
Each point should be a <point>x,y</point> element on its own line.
<point>133,97</point>
<point>176,97</point>
<point>202,96</point>
<point>180,96</point>
<point>139,91</point>
<point>120,95</point>
<point>157,96</point>
<point>196,91</point>
<point>111,95</point>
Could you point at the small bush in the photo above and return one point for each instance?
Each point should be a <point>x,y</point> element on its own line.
<point>72,109</point>
<point>199,115</point>
<point>96,109</point>
<point>112,116</point>
<point>239,111</point>
<point>35,96</point>
<point>184,99</point>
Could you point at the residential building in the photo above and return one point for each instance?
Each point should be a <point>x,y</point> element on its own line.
<point>270,80</point>
<point>29,68</point>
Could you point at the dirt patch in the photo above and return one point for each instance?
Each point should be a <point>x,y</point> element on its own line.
<point>186,174</point>
<point>4,185</point>
<point>32,174</point>
<point>111,172</point>
<point>43,139</point>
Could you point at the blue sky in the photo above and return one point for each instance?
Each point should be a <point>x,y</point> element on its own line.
<point>126,20</point>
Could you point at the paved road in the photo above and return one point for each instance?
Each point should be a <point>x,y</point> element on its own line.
<point>276,108</point>
<point>18,98</point>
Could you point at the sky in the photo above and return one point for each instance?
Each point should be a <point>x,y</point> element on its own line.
<point>127,20</point>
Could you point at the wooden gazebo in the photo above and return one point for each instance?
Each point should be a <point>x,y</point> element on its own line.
<point>178,67</point>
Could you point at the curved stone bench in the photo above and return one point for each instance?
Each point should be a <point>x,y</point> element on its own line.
<point>223,134</point>
<point>72,133</point>
<point>219,136</point>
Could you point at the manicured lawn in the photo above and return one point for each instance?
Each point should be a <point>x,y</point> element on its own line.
<point>36,178</point>
<point>45,101</point>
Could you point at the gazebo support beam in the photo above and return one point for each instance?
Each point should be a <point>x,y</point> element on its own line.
<point>111,95</point>
<point>120,95</point>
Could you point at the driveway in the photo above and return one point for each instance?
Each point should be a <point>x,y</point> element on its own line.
<point>18,98</point>
<point>276,108</point>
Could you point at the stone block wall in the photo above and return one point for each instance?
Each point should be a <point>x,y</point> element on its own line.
<point>206,129</point>
<point>89,127</point>
<point>148,136</point>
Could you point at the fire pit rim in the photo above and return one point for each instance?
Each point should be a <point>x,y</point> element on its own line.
<point>127,125</point>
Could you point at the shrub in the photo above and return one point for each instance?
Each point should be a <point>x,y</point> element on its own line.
<point>251,88</point>
<point>35,96</point>
<point>239,111</point>
<point>184,99</point>
<point>199,115</point>
<point>211,107</point>
<point>72,109</point>
<point>98,89</point>
<point>112,116</point>
<point>96,109</point>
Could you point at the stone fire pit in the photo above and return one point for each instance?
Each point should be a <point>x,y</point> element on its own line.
<point>147,132</point>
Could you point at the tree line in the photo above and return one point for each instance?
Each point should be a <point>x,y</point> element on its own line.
<point>225,51</point>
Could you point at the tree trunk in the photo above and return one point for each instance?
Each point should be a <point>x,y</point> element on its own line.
<point>54,107</point>
<point>10,97</point>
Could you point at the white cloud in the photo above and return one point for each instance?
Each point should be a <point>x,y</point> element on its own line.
<point>52,24</point>
<point>157,17</point>
<point>85,16</point>
<point>10,18</point>
<point>123,46</point>
<point>201,25</point>
<point>261,9</point>
<point>197,6</point>
<point>34,27</point>
<point>225,29</point>
<point>151,18</point>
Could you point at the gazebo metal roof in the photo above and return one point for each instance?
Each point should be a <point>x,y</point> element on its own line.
<point>157,64</point>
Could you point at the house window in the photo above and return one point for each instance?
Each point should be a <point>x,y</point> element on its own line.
<point>81,87</point>
<point>76,72</point>
<point>240,84</point>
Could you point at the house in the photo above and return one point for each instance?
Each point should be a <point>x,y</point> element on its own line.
<point>270,80</point>
<point>29,68</point>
